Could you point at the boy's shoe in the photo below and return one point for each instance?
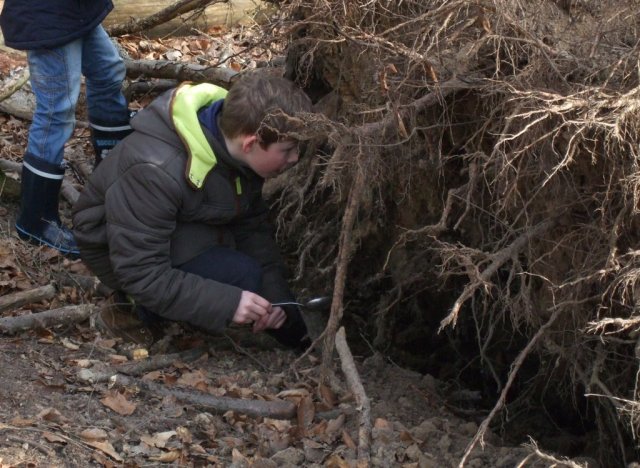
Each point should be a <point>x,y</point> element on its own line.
<point>117,318</point>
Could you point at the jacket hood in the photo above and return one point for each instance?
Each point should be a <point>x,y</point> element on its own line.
<point>187,100</point>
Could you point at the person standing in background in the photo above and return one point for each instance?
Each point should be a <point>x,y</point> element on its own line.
<point>63,40</point>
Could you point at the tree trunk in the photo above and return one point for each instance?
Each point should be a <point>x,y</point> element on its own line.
<point>226,14</point>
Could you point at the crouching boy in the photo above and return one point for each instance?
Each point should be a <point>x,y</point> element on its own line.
<point>174,219</point>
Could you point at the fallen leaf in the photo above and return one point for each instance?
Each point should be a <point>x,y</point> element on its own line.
<point>118,403</point>
<point>306,412</point>
<point>69,344</point>
<point>106,447</point>
<point>348,441</point>
<point>53,415</point>
<point>336,461</point>
<point>237,457</point>
<point>195,379</point>
<point>159,439</point>
<point>22,422</point>
<point>94,433</point>
<point>381,423</point>
<point>327,396</point>
<point>184,435</point>
<point>51,437</point>
<point>167,457</point>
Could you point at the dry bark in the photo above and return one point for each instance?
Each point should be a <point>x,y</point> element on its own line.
<point>180,71</point>
<point>137,368</point>
<point>18,299</point>
<point>50,318</point>
<point>277,409</point>
<point>166,14</point>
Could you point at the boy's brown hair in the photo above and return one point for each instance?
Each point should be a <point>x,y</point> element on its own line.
<point>264,105</point>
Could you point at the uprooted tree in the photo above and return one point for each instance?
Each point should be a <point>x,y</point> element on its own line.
<point>480,192</point>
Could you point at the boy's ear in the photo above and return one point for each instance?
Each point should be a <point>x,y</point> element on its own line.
<point>248,141</point>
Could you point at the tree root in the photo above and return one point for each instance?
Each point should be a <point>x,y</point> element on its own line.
<point>355,384</point>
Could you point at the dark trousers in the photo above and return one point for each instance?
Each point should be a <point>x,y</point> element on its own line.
<point>220,264</point>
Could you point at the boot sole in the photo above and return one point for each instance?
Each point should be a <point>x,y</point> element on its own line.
<point>35,240</point>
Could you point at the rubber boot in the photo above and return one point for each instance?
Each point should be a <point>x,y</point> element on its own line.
<point>38,221</point>
<point>104,136</point>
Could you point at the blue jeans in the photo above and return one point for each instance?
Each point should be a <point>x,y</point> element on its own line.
<point>55,80</point>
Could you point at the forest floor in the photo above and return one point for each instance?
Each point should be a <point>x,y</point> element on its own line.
<point>58,407</point>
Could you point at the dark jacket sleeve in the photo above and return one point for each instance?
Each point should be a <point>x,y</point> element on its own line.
<point>139,236</point>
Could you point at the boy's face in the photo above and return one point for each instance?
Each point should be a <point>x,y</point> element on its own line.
<point>274,160</point>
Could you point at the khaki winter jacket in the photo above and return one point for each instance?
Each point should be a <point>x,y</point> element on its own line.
<point>141,215</point>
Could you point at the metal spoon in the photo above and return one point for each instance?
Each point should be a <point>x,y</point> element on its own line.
<point>316,303</point>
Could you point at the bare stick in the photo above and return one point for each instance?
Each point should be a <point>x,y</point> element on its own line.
<point>49,318</point>
<point>166,14</point>
<point>355,384</point>
<point>16,300</point>
<point>140,367</point>
<point>86,283</point>
<point>15,85</point>
<point>277,409</point>
<point>515,367</point>
<point>180,71</point>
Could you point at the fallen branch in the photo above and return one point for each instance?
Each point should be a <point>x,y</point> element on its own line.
<point>68,190</point>
<point>86,283</point>
<point>15,84</point>
<point>136,368</point>
<point>166,14</point>
<point>277,409</point>
<point>47,319</point>
<point>180,71</point>
<point>355,384</point>
<point>18,299</point>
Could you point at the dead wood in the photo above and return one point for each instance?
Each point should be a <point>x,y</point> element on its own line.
<point>86,283</point>
<point>9,187</point>
<point>356,387</point>
<point>15,84</point>
<point>139,88</point>
<point>18,299</point>
<point>68,190</point>
<point>137,368</point>
<point>166,14</point>
<point>180,71</point>
<point>50,318</point>
<point>276,409</point>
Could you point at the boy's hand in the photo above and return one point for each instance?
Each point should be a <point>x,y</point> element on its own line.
<point>273,320</point>
<point>251,309</point>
